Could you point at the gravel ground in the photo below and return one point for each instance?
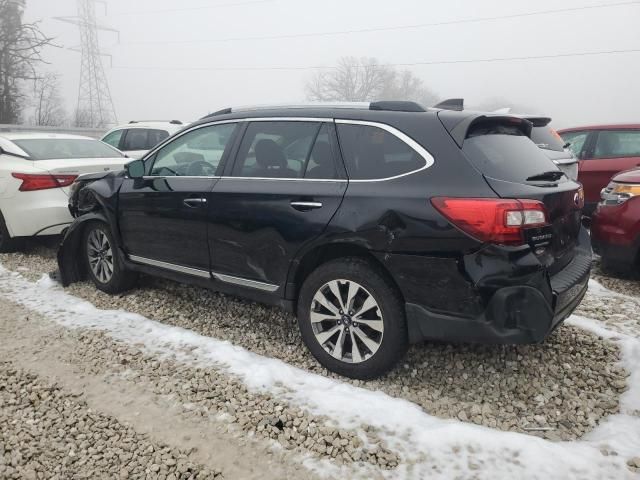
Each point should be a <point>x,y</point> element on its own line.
<point>559,390</point>
<point>626,283</point>
<point>47,432</point>
<point>207,392</point>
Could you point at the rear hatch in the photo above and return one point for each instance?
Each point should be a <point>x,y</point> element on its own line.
<point>514,167</point>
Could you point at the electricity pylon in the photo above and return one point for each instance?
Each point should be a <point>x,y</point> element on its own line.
<point>95,107</point>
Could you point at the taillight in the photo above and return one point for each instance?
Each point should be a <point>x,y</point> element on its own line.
<point>32,181</point>
<point>493,220</point>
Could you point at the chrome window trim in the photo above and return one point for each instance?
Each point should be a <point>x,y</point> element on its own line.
<point>170,266</point>
<point>267,287</point>
<point>426,156</point>
<point>277,179</point>
<point>164,177</point>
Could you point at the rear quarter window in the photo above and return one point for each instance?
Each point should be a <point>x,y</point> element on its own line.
<point>372,153</point>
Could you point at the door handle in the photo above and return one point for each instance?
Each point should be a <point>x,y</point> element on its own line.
<point>302,206</point>
<point>194,202</point>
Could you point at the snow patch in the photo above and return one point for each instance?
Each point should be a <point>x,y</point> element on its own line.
<point>429,447</point>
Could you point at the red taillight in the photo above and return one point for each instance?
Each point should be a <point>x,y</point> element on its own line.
<point>32,181</point>
<point>493,220</point>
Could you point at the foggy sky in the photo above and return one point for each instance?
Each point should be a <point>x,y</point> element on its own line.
<point>576,90</point>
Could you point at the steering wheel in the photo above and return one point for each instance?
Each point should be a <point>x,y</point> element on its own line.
<point>200,168</point>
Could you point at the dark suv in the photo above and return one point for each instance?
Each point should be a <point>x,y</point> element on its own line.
<point>379,225</point>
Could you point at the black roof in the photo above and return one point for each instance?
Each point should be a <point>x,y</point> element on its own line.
<point>456,121</point>
<point>369,111</point>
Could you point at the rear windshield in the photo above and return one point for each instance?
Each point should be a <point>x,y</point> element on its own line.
<point>53,148</point>
<point>547,138</point>
<point>505,153</point>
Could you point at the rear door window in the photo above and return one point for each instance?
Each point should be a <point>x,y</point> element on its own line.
<point>278,150</point>
<point>143,138</point>
<point>618,144</point>
<point>372,153</point>
<point>506,153</point>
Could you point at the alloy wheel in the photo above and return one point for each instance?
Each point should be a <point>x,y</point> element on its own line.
<point>100,255</point>
<point>347,321</point>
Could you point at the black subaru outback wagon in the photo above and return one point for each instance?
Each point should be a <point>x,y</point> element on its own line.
<point>379,225</point>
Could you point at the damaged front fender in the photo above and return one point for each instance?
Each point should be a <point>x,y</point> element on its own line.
<point>71,266</point>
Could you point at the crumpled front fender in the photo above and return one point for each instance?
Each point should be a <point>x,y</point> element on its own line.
<point>71,267</point>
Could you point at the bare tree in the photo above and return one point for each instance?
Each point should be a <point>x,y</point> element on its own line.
<point>48,104</point>
<point>365,79</point>
<point>20,51</point>
<point>82,118</point>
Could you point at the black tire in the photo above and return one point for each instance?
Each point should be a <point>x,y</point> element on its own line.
<point>371,282</point>
<point>118,279</point>
<point>8,244</point>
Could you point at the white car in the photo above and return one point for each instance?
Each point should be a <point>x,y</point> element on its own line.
<point>138,137</point>
<point>36,171</point>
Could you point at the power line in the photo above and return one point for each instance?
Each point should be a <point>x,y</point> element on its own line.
<point>412,64</point>
<point>385,29</point>
<point>188,9</point>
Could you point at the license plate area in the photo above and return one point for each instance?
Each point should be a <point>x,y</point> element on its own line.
<point>538,237</point>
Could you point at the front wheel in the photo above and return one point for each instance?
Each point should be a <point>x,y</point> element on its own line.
<point>352,319</point>
<point>103,264</point>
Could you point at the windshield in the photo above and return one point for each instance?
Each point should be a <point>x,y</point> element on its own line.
<point>547,138</point>
<point>54,148</point>
<point>507,155</point>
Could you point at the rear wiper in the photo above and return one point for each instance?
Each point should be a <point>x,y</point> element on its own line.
<point>552,175</point>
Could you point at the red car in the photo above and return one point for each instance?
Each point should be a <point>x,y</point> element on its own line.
<point>603,151</point>
<point>615,228</point>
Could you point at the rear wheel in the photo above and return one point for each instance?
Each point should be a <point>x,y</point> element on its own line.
<point>103,263</point>
<point>351,318</point>
<point>8,244</point>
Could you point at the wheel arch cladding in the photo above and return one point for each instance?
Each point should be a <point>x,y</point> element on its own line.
<point>70,265</point>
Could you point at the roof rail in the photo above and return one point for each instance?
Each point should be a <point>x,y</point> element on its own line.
<point>392,106</point>
<point>456,104</point>
<point>397,106</point>
<point>174,122</point>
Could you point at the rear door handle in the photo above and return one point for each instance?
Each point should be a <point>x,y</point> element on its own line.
<point>194,202</point>
<point>300,205</point>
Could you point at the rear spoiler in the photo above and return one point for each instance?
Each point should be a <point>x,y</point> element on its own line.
<point>459,127</point>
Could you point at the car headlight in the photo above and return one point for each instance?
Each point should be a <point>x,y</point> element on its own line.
<point>617,193</point>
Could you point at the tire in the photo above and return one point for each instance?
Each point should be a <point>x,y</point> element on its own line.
<point>7,243</point>
<point>380,342</point>
<point>102,261</point>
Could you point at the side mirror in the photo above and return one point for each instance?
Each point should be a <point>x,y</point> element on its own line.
<point>135,169</point>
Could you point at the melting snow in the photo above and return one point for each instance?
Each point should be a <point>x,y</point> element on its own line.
<point>429,447</point>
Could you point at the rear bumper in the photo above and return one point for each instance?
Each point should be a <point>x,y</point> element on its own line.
<point>42,212</point>
<point>517,313</point>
